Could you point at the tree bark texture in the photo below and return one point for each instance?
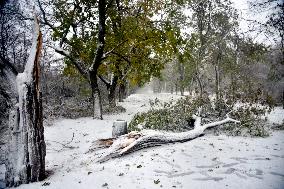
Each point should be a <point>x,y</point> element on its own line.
<point>111,91</point>
<point>122,91</point>
<point>97,104</point>
<point>181,77</point>
<point>217,81</point>
<point>26,151</point>
<point>8,97</point>
<point>96,96</point>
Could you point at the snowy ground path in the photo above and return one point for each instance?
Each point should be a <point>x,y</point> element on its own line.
<point>206,162</point>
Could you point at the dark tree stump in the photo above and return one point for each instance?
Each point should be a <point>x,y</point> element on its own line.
<point>119,128</point>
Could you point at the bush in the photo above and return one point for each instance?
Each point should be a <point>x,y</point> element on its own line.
<point>176,116</point>
<point>278,126</point>
<point>168,116</point>
<point>113,110</point>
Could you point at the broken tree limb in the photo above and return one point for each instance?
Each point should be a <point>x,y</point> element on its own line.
<point>134,141</point>
<point>25,160</point>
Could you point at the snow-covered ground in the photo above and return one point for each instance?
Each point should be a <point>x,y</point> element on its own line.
<point>206,162</point>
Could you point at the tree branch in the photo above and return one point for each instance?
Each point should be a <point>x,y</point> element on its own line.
<point>4,62</point>
<point>147,138</point>
<point>107,83</point>
<point>46,22</point>
<point>101,36</point>
<point>105,55</point>
<point>121,56</point>
<point>75,61</point>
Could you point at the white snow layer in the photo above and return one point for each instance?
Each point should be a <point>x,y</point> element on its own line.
<point>205,162</point>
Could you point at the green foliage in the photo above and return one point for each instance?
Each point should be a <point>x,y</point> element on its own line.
<point>136,42</point>
<point>175,116</point>
<point>171,115</point>
<point>113,110</point>
<point>251,122</point>
<point>141,42</point>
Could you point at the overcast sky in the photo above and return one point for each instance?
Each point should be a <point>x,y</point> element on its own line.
<point>247,14</point>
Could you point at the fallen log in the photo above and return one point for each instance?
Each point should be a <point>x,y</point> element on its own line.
<point>135,140</point>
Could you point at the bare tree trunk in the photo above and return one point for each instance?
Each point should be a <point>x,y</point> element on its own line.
<point>26,153</point>
<point>198,79</point>
<point>111,88</point>
<point>111,92</point>
<point>176,87</point>
<point>181,78</point>
<point>191,85</point>
<point>122,91</point>
<point>199,84</point>
<point>217,82</point>
<point>96,96</point>
<point>97,104</point>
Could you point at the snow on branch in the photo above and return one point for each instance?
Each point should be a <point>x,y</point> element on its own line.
<point>26,76</point>
<point>228,119</point>
<point>134,141</point>
<point>61,51</point>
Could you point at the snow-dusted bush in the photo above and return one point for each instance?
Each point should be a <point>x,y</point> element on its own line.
<point>177,116</point>
<point>75,107</point>
<point>168,116</point>
<point>69,97</point>
<point>113,110</point>
<point>252,123</point>
<point>278,126</point>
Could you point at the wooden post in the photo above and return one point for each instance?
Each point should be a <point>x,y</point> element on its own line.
<point>119,128</point>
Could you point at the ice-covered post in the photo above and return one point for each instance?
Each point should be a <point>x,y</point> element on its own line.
<point>119,128</point>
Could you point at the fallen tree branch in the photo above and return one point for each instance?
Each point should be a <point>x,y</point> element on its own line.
<point>64,145</point>
<point>134,141</point>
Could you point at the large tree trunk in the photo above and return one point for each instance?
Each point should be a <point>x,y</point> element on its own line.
<point>8,96</point>
<point>96,96</point>
<point>97,104</point>
<point>26,152</point>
